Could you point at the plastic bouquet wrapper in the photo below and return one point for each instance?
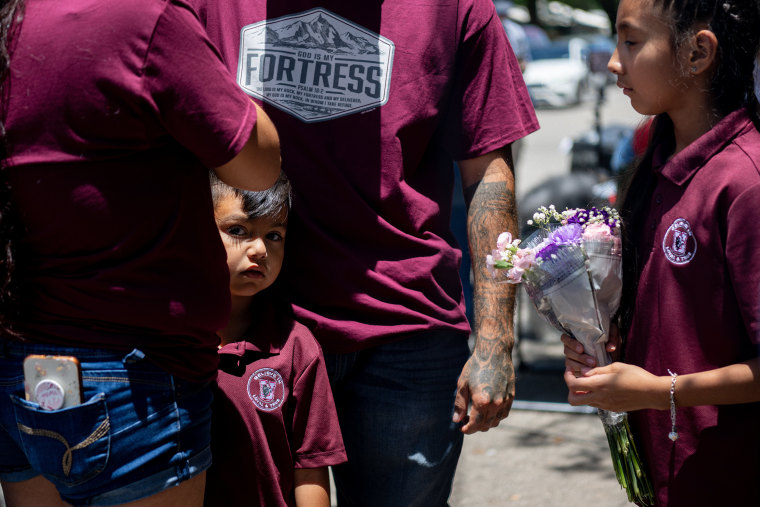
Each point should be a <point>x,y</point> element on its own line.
<point>571,268</point>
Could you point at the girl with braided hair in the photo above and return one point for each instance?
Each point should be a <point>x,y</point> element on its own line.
<point>689,374</point>
<point>112,113</point>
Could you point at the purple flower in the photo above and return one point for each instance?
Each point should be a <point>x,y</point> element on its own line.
<point>546,251</point>
<point>583,216</point>
<point>569,234</point>
<point>574,219</point>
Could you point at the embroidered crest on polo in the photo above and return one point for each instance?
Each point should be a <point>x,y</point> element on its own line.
<point>315,65</point>
<point>679,243</point>
<point>266,389</point>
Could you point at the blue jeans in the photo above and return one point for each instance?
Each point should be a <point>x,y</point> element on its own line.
<point>138,431</point>
<point>395,404</point>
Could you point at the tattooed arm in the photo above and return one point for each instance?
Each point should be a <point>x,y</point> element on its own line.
<point>487,382</point>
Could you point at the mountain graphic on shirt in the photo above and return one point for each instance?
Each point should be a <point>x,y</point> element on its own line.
<point>315,65</point>
<point>319,33</point>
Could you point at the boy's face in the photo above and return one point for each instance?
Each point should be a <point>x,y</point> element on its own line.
<point>255,246</point>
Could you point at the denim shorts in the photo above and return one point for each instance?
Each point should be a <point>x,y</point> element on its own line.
<point>138,431</point>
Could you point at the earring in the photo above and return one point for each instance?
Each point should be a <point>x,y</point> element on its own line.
<point>694,69</point>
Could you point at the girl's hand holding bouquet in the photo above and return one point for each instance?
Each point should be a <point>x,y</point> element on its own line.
<point>571,270</point>
<point>617,387</point>
<point>580,363</point>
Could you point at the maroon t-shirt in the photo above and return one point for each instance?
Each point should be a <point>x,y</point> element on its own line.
<point>113,108</point>
<point>273,412</point>
<point>697,309</point>
<point>374,101</point>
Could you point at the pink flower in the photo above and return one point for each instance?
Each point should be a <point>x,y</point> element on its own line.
<point>522,261</point>
<point>524,258</point>
<point>514,275</point>
<point>504,240</point>
<point>489,265</point>
<point>597,231</point>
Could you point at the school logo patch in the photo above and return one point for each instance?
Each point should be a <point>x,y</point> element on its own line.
<point>315,65</point>
<point>679,243</point>
<point>266,389</point>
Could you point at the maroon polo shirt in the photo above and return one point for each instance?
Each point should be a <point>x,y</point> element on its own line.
<point>375,104</point>
<point>697,309</point>
<point>114,110</point>
<point>273,412</point>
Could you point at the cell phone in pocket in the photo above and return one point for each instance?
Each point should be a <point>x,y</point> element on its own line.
<point>54,382</point>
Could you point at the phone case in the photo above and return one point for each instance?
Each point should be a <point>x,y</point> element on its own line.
<point>53,381</point>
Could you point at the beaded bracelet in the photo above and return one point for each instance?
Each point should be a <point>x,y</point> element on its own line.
<point>673,435</point>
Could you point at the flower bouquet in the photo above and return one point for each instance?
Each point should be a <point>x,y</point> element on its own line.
<point>571,268</point>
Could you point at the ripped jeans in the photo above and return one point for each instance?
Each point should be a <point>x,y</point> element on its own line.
<point>395,403</point>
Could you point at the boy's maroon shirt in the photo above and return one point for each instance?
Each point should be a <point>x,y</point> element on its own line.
<point>114,109</point>
<point>273,412</point>
<point>697,309</point>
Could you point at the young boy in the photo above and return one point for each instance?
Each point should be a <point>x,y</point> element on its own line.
<point>275,430</point>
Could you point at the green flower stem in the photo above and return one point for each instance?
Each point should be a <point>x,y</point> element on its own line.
<point>627,464</point>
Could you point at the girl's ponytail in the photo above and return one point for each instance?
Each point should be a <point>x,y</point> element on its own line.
<point>735,23</point>
<point>635,198</point>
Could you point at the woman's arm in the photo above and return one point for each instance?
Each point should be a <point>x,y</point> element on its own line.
<point>312,487</point>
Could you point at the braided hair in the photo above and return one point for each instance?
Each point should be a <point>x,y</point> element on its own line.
<point>734,23</point>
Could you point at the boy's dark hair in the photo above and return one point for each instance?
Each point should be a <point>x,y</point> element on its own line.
<point>735,24</point>
<point>269,203</point>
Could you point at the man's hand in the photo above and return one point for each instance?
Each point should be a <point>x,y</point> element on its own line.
<point>488,382</point>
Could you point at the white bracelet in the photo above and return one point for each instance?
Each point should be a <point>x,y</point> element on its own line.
<point>673,435</point>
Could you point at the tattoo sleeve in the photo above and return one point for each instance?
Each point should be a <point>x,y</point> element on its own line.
<point>492,210</point>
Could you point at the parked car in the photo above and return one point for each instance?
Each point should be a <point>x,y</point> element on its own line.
<point>558,74</point>
<point>536,35</point>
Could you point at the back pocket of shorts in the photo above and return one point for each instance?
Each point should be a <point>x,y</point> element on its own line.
<point>69,445</point>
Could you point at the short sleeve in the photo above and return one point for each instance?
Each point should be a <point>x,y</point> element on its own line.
<point>742,247</point>
<point>490,105</point>
<point>316,441</point>
<point>194,95</point>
